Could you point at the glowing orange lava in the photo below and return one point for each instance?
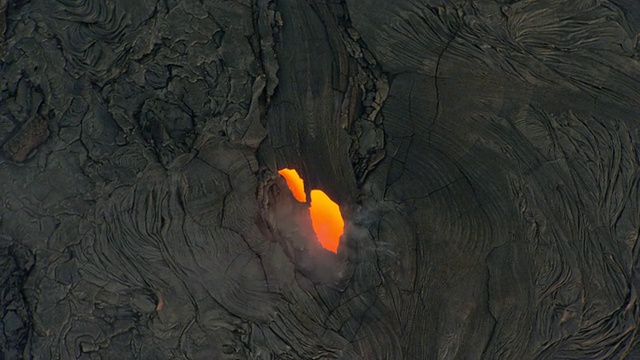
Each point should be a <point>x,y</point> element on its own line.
<point>326,220</point>
<point>326,217</point>
<point>295,183</point>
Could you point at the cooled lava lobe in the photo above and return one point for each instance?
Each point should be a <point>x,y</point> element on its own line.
<point>484,155</point>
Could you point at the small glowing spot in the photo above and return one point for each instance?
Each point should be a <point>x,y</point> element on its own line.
<point>326,219</point>
<point>295,184</point>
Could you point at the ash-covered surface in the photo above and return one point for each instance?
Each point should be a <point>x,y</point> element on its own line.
<point>485,155</point>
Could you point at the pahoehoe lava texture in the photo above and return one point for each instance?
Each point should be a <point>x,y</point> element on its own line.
<point>485,154</point>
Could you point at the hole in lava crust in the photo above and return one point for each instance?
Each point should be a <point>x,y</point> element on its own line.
<point>326,216</point>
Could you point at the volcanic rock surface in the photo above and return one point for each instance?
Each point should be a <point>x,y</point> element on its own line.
<point>485,155</point>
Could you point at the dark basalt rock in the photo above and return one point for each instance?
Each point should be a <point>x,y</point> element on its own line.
<point>16,262</point>
<point>484,154</point>
<point>31,135</point>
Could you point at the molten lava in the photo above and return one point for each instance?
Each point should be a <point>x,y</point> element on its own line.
<point>326,217</point>
<point>326,220</point>
<point>295,184</point>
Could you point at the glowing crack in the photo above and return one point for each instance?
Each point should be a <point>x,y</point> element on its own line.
<point>326,217</point>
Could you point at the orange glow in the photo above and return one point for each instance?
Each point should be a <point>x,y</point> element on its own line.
<point>326,217</point>
<point>295,183</point>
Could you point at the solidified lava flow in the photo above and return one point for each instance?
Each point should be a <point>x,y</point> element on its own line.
<point>326,217</point>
